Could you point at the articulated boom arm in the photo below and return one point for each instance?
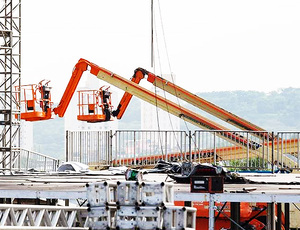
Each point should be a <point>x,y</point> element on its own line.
<point>137,77</point>
<point>190,98</point>
<point>131,88</point>
<point>201,103</point>
<point>78,70</point>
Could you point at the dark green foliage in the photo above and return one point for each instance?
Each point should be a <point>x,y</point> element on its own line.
<point>255,164</point>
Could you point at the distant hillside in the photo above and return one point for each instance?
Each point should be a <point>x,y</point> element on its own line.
<point>275,111</point>
<point>132,116</point>
<point>49,137</point>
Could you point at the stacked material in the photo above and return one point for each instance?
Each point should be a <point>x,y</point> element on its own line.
<point>134,205</point>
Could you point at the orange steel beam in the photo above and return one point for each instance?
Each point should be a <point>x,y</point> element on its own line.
<point>82,66</point>
<point>199,102</point>
<point>137,77</point>
<point>131,87</point>
<point>187,96</point>
<point>79,68</point>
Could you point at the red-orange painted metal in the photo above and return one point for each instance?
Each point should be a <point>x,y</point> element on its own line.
<point>78,70</point>
<point>35,101</point>
<point>94,105</point>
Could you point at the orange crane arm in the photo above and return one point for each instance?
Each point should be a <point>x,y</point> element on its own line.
<point>137,77</point>
<point>200,102</point>
<point>190,98</point>
<point>193,99</point>
<point>139,74</point>
<point>132,88</point>
<point>78,70</point>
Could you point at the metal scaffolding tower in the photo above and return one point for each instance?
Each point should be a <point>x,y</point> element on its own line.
<point>10,80</point>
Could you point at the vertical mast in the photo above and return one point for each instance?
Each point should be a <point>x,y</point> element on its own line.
<point>10,77</point>
<point>152,52</point>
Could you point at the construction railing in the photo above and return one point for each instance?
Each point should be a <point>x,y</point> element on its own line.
<point>148,147</point>
<point>250,151</point>
<point>27,160</point>
<point>287,149</point>
<point>89,147</point>
<point>253,150</point>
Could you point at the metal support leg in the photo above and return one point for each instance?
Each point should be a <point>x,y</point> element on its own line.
<point>286,216</point>
<point>235,215</point>
<point>271,216</point>
<point>211,220</point>
<point>279,222</point>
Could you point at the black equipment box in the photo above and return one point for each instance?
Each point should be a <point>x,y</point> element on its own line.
<point>207,184</point>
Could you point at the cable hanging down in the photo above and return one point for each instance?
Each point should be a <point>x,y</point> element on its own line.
<point>153,63</point>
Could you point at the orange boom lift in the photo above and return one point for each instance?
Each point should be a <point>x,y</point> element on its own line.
<point>131,87</point>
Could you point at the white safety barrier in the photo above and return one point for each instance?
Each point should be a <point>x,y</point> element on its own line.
<point>128,193</point>
<point>179,218</point>
<point>132,205</point>
<point>149,217</point>
<point>126,217</point>
<point>241,150</point>
<point>101,193</point>
<point>155,194</point>
<point>101,217</point>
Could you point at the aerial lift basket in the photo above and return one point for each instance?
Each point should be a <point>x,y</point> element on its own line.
<point>35,101</point>
<point>94,105</point>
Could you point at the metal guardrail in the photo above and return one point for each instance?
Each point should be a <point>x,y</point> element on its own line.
<point>27,160</point>
<point>148,147</point>
<point>288,144</point>
<point>252,151</point>
<point>89,147</point>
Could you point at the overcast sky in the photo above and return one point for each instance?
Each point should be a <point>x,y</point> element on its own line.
<point>212,45</point>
